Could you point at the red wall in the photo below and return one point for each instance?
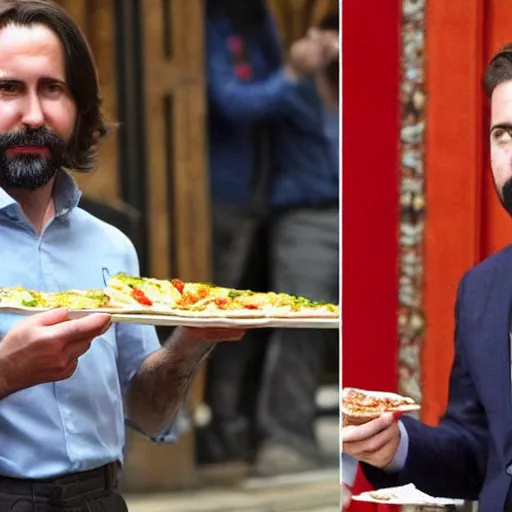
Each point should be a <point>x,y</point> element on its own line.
<point>370,123</point>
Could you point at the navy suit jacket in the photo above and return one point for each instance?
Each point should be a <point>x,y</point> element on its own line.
<point>469,455</point>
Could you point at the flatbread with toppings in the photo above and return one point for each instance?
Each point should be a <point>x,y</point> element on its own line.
<point>188,299</point>
<point>359,406</point>
<point>125,293</point>
<point>73,299</point>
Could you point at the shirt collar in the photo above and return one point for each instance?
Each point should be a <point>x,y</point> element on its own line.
<point>66,195</point>
<point>5,199</point>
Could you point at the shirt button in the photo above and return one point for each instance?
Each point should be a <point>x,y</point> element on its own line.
<point>509,469</point>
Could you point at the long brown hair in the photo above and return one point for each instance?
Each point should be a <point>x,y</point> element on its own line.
<point>81,74</point>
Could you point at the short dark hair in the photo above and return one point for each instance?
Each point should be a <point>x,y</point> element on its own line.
<point>498,70</point>
<point>81,74</point>
<point>245,16</point>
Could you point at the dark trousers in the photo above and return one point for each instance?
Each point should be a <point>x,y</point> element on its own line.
<point>305,262</point>
<point>90,491</point>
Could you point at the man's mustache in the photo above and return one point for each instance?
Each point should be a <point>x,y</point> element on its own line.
<point>32,137</point>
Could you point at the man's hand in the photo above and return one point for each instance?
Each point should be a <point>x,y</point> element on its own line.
<point>45,348</point>
<point>375,442</point>
<point>309,55</point>
<point>328,39</point>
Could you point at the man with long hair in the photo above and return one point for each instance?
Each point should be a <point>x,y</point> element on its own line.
<point>67,386</point>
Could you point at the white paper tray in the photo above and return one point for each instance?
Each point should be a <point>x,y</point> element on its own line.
<point>408,495</point>
<point>167,320</point>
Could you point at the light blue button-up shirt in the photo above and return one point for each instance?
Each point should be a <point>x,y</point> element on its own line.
<point>77,424</point>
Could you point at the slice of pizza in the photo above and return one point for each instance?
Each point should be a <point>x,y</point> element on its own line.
<point>289,306</point>
<point>77,299</point>
<point>387,494</point>
<point>190,299</point>
<point>142,292</point>
<point>208,300</point>
<point>199,293</point>
<point>283,305</point>
<point>359,406</point>
<point>199,299</point>
<point>404,495</point>
<point>19,297</point>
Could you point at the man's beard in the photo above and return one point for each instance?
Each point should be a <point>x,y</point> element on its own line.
<point>30,171</point>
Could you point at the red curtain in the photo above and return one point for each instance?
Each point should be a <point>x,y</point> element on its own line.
<point>370,124</point>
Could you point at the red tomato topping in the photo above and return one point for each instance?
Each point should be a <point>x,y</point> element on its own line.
<point>222,303</point>
<point>202,293</point>
<point>251,306</point>
<point>141,297</point>
<point>179,285</point>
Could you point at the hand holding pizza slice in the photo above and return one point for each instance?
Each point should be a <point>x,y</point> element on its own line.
<point>359,406</point>
<point>371,432</point>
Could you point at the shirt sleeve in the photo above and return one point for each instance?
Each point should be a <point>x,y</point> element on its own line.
<point>398,462</point>
<point>237,101</point>
<point>349,467</point>
<point>134,344</point>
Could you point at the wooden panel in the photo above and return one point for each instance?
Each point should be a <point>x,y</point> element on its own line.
<point>178,188</point>
<point>78,11</point>
<point>453,179</point>
<point>190,186</point>
<point>104,184</point>
<point>95,18</point>
<point>157,164</point>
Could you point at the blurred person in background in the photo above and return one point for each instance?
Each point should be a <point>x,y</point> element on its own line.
<point>249,86</point>
<point>304,195</point>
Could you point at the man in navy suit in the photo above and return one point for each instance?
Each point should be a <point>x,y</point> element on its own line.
<point>469,455</point>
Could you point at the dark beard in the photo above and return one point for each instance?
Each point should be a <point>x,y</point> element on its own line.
<point>26,171</point>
